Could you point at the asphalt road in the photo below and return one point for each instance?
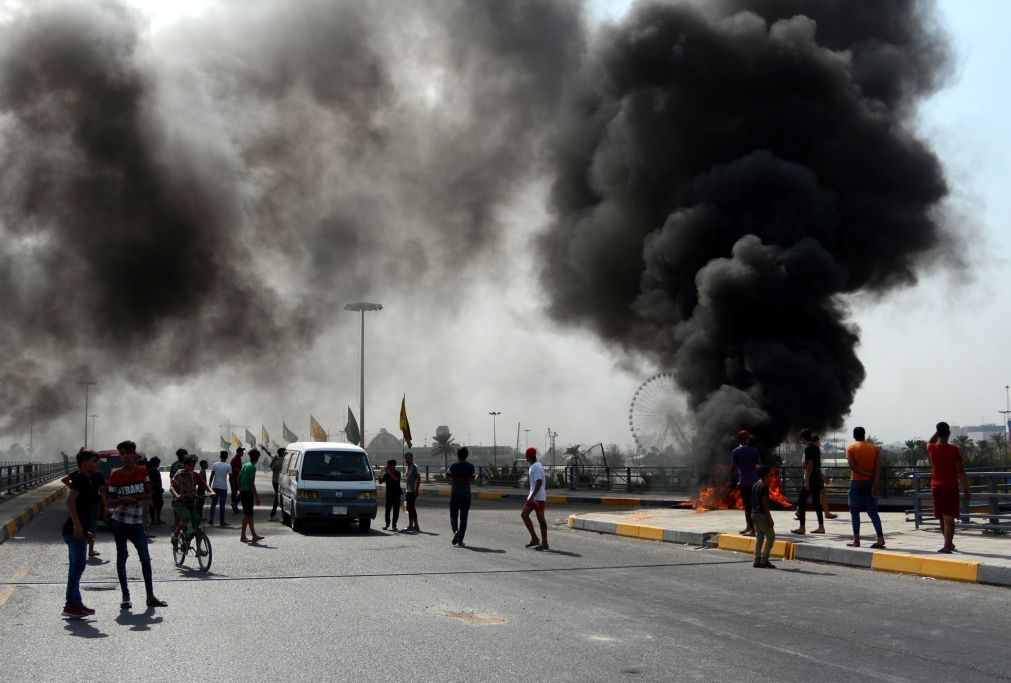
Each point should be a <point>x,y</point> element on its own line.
<point>338,605</point>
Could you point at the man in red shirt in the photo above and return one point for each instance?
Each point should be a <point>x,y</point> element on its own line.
<point>946,470</point>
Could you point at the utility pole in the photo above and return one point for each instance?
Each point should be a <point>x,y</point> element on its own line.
<point>1007,425</point>
<point>31,431</point>
<point>87,384</point>
<point>494,436</point>
<point>552,435</point>
<point>362,307</point>
<point>93,429</point>
<point>526,438</point>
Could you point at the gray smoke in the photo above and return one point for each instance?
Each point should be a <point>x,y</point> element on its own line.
<point>206,197</point>
<point>726,172</point>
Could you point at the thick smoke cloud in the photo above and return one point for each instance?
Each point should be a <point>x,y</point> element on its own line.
<point>725,173</point>
<point>208,196</point>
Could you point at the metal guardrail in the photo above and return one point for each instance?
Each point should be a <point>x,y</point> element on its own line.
<point>994,490</point>
<point>16,477</point>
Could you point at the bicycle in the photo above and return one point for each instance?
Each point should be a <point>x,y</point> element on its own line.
<point>195,540</point>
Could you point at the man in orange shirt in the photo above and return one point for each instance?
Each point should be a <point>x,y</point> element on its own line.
<point>946,471</point>
<point>864,459</point>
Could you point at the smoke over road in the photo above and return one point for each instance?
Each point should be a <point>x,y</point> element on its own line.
<point>725,172</point>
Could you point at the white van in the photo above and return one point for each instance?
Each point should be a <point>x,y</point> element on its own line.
<point>326,481</point>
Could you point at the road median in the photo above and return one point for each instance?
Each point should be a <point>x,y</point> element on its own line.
<point>17,511</point>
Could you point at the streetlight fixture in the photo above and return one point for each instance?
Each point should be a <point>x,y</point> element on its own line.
<point>87,384</point>
<point>494,437</point>
<point>362,307</point>
<point>93,429</point>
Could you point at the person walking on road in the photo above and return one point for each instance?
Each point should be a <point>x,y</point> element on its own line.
<point>236,467</point>
<point>203,488</point>
<point>178,464</point>
<point>535,502</point>
<point>744,468</point>
<point>391,478</point>
<point>461,473</point>
<point>221,472</point>
<point>413,478</point>
<point>129,493</point>
<point>83,497</point>
<point>812,485</point>
<point>864,459</point>
<point>249,497</point>
<point>765,529</point>
<point>275,476</point>
<point>946,471</point>
<point>157,489</point>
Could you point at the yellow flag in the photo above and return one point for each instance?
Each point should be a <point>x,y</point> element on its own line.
<point>316,431</point>
<point>236,443</point>
<point>264,434</point>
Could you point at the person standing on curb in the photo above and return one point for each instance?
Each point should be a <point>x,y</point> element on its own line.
<point>391,478</point>
<point>234,478</point>
<point>157,489</point>
<point>82,498</point>
<point>864,459</point>
<point>765,529</point>
<point>946,471</point>
<point>812,486</point>
<point>129,493</point>
<point>221,472</point>
<point>249,497</point>
<point>743,467</point>
<point>461,473</point>
<point>413,489</point>
<point>535,502</point>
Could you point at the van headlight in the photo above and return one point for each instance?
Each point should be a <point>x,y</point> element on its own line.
<point>367,495</point>
<point>308,495</point>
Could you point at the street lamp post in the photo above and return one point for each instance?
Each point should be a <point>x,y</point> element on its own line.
<point>1007,424</point>
<point>87,384</point>
<point>31,431</point>
<point>552,435</point>
<point>93,429</point>
<point>494,437</point>
<point>362,307</point>
<point>526,438</point>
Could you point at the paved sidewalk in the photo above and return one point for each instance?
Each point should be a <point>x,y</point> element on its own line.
<point>564,496</point>
<point>980,558</point>
<point>16,511</point>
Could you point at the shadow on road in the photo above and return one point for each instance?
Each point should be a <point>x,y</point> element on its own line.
<point>478,549</point>
<point>196,573</point>
<point>565,553</point>
<point>141,621</point>
<point>804,571</point>
<point>80,628</point>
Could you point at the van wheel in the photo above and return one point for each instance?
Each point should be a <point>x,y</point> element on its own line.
<point>364,523</point>
<point>285,517</point>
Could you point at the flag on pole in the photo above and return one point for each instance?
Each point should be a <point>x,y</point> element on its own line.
<point>405,426</point>
<point>351,430</point>
<point>265,437</point>
<point>273,445</point>
<point>235,441</point>
<point>289,435</point>
<point>224,444</point>
<point>250,439</point>
<point>316,431</point>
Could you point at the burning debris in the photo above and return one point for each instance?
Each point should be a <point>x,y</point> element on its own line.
<point>727,496</point>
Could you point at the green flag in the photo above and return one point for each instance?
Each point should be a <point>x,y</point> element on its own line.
<point>224,444</point>
<point>250,439</point>
<point>289,435</point>
<point>351,430</point>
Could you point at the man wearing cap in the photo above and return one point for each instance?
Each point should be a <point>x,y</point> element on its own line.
<point>744,469</point>
<point>535,502</point>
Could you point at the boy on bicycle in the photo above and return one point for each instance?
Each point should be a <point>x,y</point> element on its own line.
<point>184,488</point>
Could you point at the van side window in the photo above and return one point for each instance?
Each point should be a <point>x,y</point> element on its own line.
<point>295,461</point>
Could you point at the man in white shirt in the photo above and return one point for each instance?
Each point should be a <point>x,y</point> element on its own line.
<point>535,502</point>
<point>220,473</point>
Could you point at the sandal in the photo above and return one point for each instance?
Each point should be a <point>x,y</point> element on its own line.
<point>155,602</point>
<point>799,532</point>
<point>878,544</point>
<point>126,604</point>
<point>853,545</point>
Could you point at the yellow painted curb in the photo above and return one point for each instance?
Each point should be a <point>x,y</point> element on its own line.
<point>620,501</point>
<point>641,531</point>
<point>919,565</point>
<point>627,530</point>
<point>488,495</point>
<point>572,520</point>
<point>444,493</point>
<point>786,550</point>
<point>12,527</point>
<point>558,499</point>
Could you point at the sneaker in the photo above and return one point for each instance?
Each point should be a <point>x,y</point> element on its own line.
<point>386,527</point>
<point>456,538</point>
<point>75,611</point>
<point>86,608</point>
<point>532,544</point>
<point>756,564</point>
<point>395,527</point>
<point>542,547</point>
<point>461,544</point>
<point>768,565</point>
<point>831,515</point>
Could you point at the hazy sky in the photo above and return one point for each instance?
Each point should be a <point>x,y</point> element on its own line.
<point>933,351</point>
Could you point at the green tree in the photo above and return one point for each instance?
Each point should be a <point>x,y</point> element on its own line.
<point>966,445</point>
<point>615,458</point>
<point>914,452</point>
<point>443,444</point>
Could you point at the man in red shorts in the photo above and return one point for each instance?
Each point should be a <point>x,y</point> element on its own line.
<point>946,471</point>
<point>535,502</point>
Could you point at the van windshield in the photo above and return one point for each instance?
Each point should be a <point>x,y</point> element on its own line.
<point>335,466</point>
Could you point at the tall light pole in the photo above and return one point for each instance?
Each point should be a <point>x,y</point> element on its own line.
<point>494,437</point>
<point>31,431</point>
<point>93,429</point>
<point>362,307</point>
<point>552,435</point>
<point>87,384</point>
<point>526,438</point>
<point>1007,425</point>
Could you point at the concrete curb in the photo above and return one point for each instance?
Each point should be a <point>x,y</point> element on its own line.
<point>563,499</point>
<point>949,569</point>
<point>11,526</point>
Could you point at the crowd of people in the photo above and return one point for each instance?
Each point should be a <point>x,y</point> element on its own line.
<point>864,460</point>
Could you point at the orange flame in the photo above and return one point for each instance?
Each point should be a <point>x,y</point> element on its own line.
<point>724,496</point>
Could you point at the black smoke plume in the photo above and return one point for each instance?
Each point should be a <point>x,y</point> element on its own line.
<point>175,203</point>
<point>726,172</point>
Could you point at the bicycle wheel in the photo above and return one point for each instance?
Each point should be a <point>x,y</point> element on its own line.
<point>203,551</point>
<point>179,546</point>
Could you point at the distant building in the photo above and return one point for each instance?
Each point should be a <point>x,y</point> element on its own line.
<point>978,432</point>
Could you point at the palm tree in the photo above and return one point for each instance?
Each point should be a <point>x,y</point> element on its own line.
<point>444,445</point>
<point>966,445</point>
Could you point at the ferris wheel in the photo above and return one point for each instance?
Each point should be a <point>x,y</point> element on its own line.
<point>659,416</point>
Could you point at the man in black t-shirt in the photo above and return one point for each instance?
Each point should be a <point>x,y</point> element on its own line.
<point>391,478</point>
<point>460,474</point>
<point>80,501</point>
<point>812,483</point>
